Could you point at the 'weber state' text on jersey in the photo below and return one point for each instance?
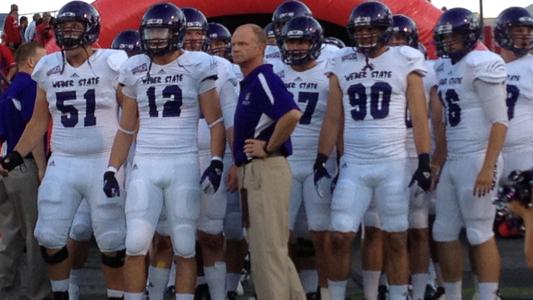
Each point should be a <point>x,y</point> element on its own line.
<point>519,104</point>
<point>374,101</point>
<point>226,75</point>
<point>167,99</point>
<point>310,91</point>
<point>273,55</point>
<point>467,127</point>
<point>82,101</point>
<point>430,81</point>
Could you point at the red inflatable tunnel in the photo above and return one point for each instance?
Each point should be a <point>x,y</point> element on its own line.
<point>117,15</point>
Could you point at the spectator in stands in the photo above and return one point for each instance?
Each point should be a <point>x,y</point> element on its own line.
<point>11,28</point>
<point>18,205</point>
<point>29,35</point>
<point>8,67</point>
<point>44,30</point>
<point>22,27</point>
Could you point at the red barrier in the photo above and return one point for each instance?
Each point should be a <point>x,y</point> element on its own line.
<point>117,15</point>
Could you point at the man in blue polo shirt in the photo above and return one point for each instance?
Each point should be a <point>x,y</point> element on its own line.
<point>265,117</point>
<point>18,206</point>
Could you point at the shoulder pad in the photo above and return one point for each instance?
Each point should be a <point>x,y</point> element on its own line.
<point>487,66</point>
<point>410,53</point>
<point>116,58</point>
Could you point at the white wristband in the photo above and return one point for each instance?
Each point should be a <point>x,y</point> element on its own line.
<point>216,158</point>
<point>111,169</point>
<point>219,120</point>
<point>128,132</point>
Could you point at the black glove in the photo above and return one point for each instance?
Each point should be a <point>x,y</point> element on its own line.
<point>111,187</point>
<point>422,175</point>
<point>11,161</point>
<point>212,175</point>
<point>320,173</point>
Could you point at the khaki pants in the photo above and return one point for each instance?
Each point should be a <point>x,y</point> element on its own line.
<point>268,185</point>
<point>18,246</point>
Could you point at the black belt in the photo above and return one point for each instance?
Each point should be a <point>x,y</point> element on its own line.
<point>273,154</point>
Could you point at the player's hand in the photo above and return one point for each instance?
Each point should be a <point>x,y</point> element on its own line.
<point>320,174</point>
<point>484,182</point>
<point>232,181</point>
<point>519,209</point>
<point>212,175</point>
<point>255,148</point>
<point>422,175</point>
<point>111,187</point>
<point>9,162</point>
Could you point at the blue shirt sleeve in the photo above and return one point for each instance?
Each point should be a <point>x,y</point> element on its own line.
<point>24,90</point>
<point>280,100</point>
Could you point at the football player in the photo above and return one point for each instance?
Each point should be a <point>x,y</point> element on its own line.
<point>129,41</point>
<point>370,86</point>
<point>271,37</point>
<point>405,33</point>
<point>331,40</point>
<point>76,88</point>
<point>471,86</point>
<point>283,13</point>
<point>219,40</point>
<point>81,230</point>
<point>305,78</point>
<point>165,90</point>
<point>514,33</point>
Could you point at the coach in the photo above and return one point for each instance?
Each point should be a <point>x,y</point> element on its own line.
<point>265,117</point>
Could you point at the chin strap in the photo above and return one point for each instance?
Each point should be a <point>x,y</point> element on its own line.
<point>368,64</point>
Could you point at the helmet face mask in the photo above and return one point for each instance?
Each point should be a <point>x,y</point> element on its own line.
<point>399,39</point>
<point>370,27</point>
<point>195,40</point>
<point>514,30</point>
<point>157,39</point>
<point>301,39</point>
<point>196,30</point>
<point>77,25</point>
<point>404,32</point>
<point>129,41</point>
<point>162,30</point>
<point>366,37</point>
<point>219,40</point>
<point>297,50</point>
<point>456,33</point>
<point>71,33</point>
<point>521,37</point>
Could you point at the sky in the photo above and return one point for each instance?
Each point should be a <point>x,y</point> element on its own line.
<point>491,8</point>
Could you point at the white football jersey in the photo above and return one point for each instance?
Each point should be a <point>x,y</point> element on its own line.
<point>273,56</point>
<point>167,99</point>
<point>467,127</point>
<point>374,101</point>
<point>430,80</point>
<point>225,74</point>
<point>310,91</point>
<point>519,104</point>
<point>82,101</point>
